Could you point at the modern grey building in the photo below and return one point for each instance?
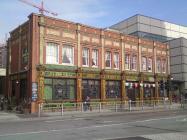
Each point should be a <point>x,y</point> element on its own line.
<point>160,30</point>
<point>151,28</point>
<point>178,63</point>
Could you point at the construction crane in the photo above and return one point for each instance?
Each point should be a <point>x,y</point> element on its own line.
<point>39,7</point>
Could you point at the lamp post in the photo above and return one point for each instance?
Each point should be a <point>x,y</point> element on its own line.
<point>169,81</point>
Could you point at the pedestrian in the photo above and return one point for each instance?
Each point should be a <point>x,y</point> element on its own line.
<point>2,103</point>
<point>88,102</point>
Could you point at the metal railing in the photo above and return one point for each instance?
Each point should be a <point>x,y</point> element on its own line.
<point>184,103</point>
<point>112,106</point>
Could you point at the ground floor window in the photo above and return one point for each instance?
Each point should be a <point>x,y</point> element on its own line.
<point>149,90</point>
<point>90,88</point>
<point>60,89</point>
<point>113,89</point>
<point>132,90</point>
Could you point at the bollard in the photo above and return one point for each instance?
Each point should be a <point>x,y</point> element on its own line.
<point>100,107</point>
<point>165,104</point>
<point>129,105</point>
<point>153,105</point>
<point>116,107</point>
<point>82,107</point>
<point>142,105</point>
<point>62,109</point>
<point>39,110</point>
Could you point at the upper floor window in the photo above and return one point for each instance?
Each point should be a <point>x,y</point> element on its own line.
<point>85,57</point>
<point>52,53</point>
<point>149,64</point>
<point>164,66</point>
<point>94,57</point>
<point>158,65</point>
<point>116,60</point>
<point>144,63</point>
<point>67,54</point>
<point>127,61</point>
<point>108,59</point>
<point>134,62</point>
<point>25,55</point>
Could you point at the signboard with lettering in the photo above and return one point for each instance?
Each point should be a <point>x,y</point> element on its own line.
<point>92,76</point>
<point>59,74</point>
<point>113,77</point>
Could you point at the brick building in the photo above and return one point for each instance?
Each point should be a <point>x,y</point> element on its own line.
<point>55,60</point>
<point>2,68</point>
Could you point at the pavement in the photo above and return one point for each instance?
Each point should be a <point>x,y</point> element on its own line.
<point>13,116</point>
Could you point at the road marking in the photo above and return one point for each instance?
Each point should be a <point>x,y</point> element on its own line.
<point>64,120</point>
<point>107,121</point>
<point>88,127</point>
<point>182,120</point>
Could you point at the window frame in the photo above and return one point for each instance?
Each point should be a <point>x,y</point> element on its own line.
<point>136,64</point>
<point>142,65</point>
<point>158,71</point>
<point>88,53</point>
<point>57,45</point>
<point>97,58</point>
<point>150,58</point>
<point>109,59</point>
<point>72,47</point>
<point>118,60</point>
<point>163,65</point>
<point>129,61</point>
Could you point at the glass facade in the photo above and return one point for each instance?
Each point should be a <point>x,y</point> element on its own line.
<point>151,36</point>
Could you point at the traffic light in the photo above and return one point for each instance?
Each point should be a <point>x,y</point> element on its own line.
<point>166,85</point>
<point>162,85</point>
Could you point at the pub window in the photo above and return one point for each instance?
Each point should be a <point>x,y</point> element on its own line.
<point>134,62</point>
<point>108,59</point>
<point>149,64</point>
<point>95,57</point>
<point>85,57</point>
<point>90,88</point>
<point>113,89</point>
<point>144,63</point>
<point>158,65</point>
<point>163,66</point>
<point>67,55</point>
<point>127,61</point>
<point>59,89</point>
<point>116,60</point>
<point>52,53</point>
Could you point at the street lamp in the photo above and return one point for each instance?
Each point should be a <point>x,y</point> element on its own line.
<point>170,78</point>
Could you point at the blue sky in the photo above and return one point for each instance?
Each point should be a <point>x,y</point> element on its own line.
<point>98,13</point>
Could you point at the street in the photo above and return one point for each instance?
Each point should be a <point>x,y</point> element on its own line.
<point>125,126</point>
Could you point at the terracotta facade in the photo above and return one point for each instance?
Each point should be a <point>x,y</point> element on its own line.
<point>96,65</point>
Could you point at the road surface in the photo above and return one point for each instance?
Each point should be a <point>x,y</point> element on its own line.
<point>165,125</point>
